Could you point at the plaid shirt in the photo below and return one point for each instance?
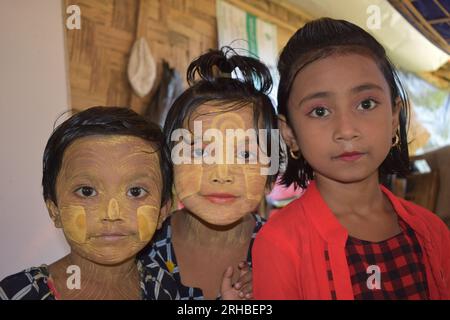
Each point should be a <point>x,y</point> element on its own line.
<point>160,261</point>
<point>399,259</point>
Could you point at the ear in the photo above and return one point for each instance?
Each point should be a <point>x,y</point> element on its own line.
<point>287,133</point>
<point>164,213</point>
<point>396,115</point>
<point>54,213</point>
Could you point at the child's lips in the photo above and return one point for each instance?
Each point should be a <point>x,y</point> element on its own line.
<point>220,198</point>
<point>350,156</point>
<point>111,236</point>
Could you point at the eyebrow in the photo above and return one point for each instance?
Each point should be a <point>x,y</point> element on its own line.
<point>316,95</point>
<point>326,94</point>
<point>366,86</point>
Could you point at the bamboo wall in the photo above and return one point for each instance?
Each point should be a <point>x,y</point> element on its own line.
<point>176,30</point>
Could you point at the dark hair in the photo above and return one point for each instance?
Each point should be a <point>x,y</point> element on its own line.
<point>97,121</point>
<point>216,84</point>
<point>319,39</point>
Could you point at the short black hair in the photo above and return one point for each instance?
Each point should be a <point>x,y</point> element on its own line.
<point>98,121</point>
<point>319,39</point>
<point>216,84</point>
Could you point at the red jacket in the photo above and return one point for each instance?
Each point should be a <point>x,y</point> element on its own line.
<point>288,254</point>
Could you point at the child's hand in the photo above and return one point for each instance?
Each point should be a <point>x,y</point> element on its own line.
<point>245,282</point>
<point>242,289</point>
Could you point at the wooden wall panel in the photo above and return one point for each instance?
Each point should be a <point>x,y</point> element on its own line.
<point>99,51</point>
<point>176,30</point>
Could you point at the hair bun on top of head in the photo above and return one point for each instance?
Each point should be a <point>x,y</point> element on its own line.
<point>217,65</point>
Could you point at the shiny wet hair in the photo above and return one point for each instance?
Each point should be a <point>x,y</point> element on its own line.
<point>98,121</point>
<point>210,81</point>
<point>322,38</point>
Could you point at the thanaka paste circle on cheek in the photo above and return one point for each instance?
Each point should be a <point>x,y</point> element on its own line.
<point>73,219</point>
<point>147,217</point>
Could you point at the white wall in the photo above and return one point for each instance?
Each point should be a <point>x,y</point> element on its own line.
<point>33,92</point>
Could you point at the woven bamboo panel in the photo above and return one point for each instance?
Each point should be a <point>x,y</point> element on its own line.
<point>98,52</point>
<point>176,30</point>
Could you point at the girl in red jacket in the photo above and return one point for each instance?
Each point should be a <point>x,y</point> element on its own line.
<point>343,115</point>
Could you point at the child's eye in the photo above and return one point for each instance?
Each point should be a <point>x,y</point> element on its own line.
<point>319,112</point>
<point>367,104</point>
<point>246,155</point>
<point>86,192</point>
<point>136,192</point>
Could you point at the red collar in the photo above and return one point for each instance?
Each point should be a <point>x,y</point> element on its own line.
<point>329,226</point>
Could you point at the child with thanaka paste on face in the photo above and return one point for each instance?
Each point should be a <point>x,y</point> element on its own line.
<point>103,186</point>
<point>343,116</point>
<point>220,179</point>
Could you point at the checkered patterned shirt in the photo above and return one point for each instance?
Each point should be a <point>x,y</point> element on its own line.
<point>399,259</point>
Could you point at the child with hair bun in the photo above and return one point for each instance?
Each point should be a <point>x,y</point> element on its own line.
<point>206,245</point>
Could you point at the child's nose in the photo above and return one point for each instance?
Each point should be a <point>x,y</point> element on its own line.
<point>345,127</point>
<point>113,212</point>
<point>221,175</point>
